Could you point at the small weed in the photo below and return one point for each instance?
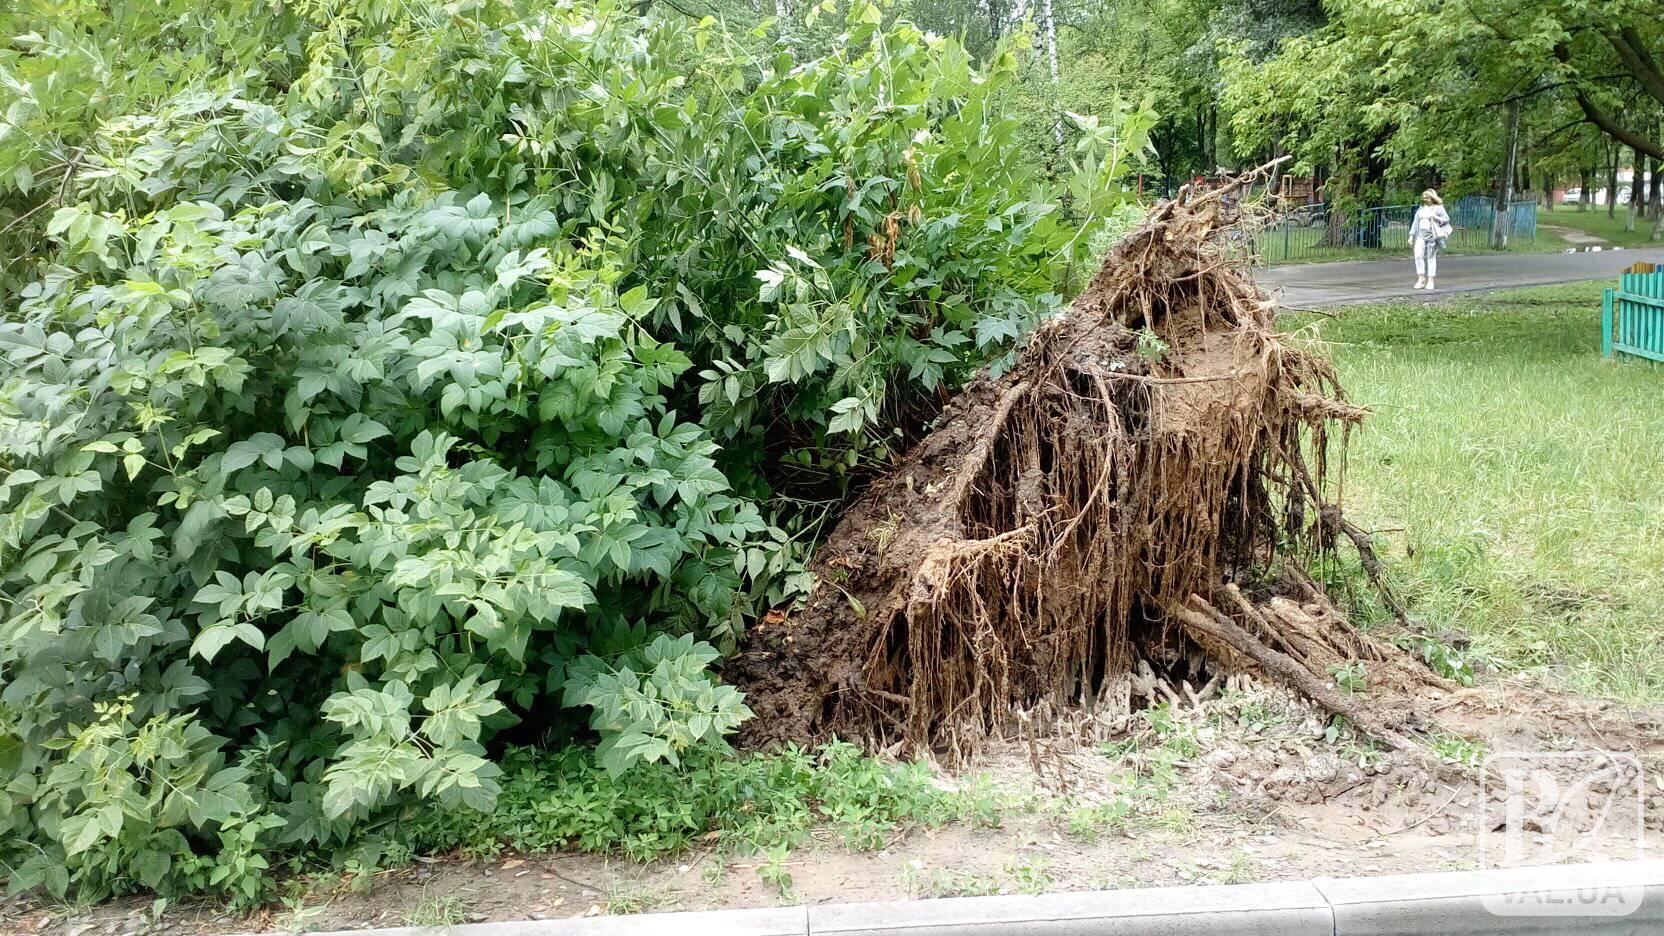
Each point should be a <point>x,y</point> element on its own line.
<point>962,884</point>
<point>1352,678</point>
<point>1456,665</point>
<point>625,899</point>
<point>715,873</point>
<point>1156,754</point>
<point>1089,823</point>
<point>1155,767</point>
<point>912,876</point>
<point>1560,741</point>
<point>1117,750</point>
<point>1457,749</point>
<point>1239,871</point>
<point>1150,346</point>
<point>446,910</point>
<point>1031,875</point>
<point>1119,881</point>
<point>1174,820</point>
<point>1257,716</point>
<point>294,918</point>
<point>919,881</point>
<point>1364,752</point>
<point>980,803</point>
<point>1171,732</point>
<point>1350,745</point>
<point>774,872</point>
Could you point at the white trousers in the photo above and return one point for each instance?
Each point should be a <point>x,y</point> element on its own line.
<point>1427,257</point>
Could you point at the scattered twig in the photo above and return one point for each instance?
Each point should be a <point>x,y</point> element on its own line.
<point>1428,817</point>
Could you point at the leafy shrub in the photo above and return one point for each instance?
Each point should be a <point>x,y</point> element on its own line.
<point>272,517</point>
<point>416,374</point>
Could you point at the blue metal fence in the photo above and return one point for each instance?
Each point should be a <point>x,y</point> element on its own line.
<point>1308,232</point>
<point>1477,212</point>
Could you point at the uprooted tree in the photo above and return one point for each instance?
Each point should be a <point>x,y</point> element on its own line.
<point>1139,495</point>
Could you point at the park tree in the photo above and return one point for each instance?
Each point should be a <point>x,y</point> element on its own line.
<point>1486,92</point>
<point>1168,54</point>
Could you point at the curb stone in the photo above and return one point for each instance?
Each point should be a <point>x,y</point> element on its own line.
<point>1512,902</point>
<point>1241,910</point>
<point>781,921</point>
<point>1558,900</point>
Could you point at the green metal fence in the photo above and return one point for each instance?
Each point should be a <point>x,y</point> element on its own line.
<point>1632,316</point>
<point>1310,232</point>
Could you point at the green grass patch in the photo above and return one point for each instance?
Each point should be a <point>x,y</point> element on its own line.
<point>1517,478</point>
<point>752,803</point>
<point>1597,223</point>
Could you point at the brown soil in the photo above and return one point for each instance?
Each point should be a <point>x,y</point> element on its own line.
<point>1265,797</point>
<point>1122,517</point>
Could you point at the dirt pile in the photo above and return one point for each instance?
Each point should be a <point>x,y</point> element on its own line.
<point>1125,514</point>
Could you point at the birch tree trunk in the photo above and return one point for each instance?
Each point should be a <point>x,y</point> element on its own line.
<point>1656,188</point>
<point>1274,185</point>
<point>1503,222</point>
<point>783,21</point>
<point>1612,182</point>
<point>1636,192</point>
<point>1051,59</point>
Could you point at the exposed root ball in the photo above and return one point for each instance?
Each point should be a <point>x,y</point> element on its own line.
<point>1115,498</point>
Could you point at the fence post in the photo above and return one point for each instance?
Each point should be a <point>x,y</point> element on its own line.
<point>1285,236</point>
<point>1606,323</point>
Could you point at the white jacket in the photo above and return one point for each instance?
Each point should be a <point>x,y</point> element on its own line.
<point>1431,222</point>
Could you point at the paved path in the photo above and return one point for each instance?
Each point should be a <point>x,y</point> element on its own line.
<point>1313,285</point>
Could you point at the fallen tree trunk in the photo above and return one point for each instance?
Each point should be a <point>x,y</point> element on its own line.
<point>1157,443</point>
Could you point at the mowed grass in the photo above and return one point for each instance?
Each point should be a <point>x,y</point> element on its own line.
<point>1517,478</point>
<point>1595,221</point>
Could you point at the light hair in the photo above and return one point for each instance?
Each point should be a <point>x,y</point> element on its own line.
<point>1431,197</point>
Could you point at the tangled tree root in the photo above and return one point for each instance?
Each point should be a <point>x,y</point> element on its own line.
<point>1138,494</point>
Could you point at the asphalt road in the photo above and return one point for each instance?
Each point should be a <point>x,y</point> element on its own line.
<point>1314,285</point>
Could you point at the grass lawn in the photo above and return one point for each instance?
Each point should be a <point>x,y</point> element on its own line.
<point>1517,475</point>
<point>1597,223</point>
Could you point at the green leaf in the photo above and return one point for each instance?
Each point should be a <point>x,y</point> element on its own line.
<point>261,445</point>
<point>360,429</point>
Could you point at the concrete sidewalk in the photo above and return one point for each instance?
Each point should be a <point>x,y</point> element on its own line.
<point>1617,899</point>
<point>1315,285</point>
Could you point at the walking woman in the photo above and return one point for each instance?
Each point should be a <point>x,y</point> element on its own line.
<point>1428,231</point>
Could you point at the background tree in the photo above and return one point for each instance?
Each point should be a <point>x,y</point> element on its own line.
<point>1482,96</point>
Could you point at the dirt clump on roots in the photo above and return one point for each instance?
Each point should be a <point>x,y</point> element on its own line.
<point>1125,515</point>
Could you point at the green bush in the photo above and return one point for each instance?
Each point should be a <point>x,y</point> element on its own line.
<point>433,372</point>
